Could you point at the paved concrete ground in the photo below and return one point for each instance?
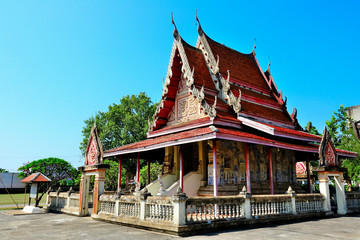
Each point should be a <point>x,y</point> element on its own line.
<point>61,226</point>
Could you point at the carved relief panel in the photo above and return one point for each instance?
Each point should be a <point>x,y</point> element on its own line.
<point>186,107</point>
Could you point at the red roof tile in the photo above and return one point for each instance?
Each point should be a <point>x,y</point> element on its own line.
<point>162,139</point>
<point>264,112</point>
<point>241,66</point>
<point>292,132</point>
<point>197,61</point>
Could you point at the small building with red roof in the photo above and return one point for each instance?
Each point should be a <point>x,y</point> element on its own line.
<point>36,178</point>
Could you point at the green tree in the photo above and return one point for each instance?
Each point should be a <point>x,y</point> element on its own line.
<point>311,129</point>
<point>111,176</point>
<point>123,123</point>
<point>342,134</point>
<point>155,170</point>
<point>54,168</point>
<point>3,170</point>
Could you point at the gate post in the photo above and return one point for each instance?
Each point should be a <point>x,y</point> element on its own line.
<point>98,189</point>
<point>340,194</point>
<point>324,189</point>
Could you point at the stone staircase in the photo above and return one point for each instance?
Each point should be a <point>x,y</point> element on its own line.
<point>225,190</point>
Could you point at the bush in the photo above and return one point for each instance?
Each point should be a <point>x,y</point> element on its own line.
<point>155,170</point>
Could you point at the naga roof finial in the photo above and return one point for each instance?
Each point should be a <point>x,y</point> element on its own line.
<point>253,51</point>
<point>269,64</point>
<point>175,33</point>
<point>197,19</point>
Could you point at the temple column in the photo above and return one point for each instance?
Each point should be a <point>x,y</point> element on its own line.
<point>308,173</point>
<point>148,171</point>
<point>215,168</point>
<point>202,161</point>
<point>98,188</point>
<point>176,162</point>
<point>271,178</point>
<point>324,189</point>
<point>119,173</point>
<point>247,166</point>
<point>181,170</point>
<point>138,167</point>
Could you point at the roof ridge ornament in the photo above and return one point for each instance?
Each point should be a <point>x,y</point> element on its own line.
<point>253,51</point>
<point>200,31</point>
<point>269,64</point>
<point>176,32</point>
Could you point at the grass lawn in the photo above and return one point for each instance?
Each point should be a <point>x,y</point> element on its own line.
<point>5,199</point>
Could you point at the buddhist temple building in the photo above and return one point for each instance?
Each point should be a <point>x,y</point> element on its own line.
<point>231,153</point>
<point>222,117</point>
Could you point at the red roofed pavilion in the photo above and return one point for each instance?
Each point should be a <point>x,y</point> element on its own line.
<point>36,178</point>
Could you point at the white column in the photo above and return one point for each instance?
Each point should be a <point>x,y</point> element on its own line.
<point>324,189</point>
<point>340,194</point>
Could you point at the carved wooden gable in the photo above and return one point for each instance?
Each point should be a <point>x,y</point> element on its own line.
<point>187,107</point>
<point>94,151</point>
<point>327,152</point>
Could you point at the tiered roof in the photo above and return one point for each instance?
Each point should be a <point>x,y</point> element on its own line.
<point>212,91</point>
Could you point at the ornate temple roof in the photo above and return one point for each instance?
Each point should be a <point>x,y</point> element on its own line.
<point>213,86</point>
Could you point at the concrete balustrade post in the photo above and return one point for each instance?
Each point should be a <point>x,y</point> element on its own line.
<point>179,203</point>
<point>57,197</point>
<point>292,194</point>
<point>143,197</point>
<point>246,206</point>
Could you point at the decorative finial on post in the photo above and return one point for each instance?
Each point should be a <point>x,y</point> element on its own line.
<point>200,31</point>
<point>253,51</point>
<point>175,33</point>
<point>244,193</point>
<point>291,192</point>
<point>269,64</point>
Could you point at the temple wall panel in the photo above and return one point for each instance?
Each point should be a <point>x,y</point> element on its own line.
<point>232,169</point>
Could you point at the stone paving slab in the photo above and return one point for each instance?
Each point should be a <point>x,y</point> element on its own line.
<point>61,226</point>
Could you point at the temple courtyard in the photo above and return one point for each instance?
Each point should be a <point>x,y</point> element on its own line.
<point>62,226</point>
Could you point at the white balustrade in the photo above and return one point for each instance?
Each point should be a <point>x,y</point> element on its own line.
<point>309,203</point>
<point>107,207</point>
<point>131,209</point>
<point>269,205</point>
<point>214,208</point>
<point>160,211</point>
<point>353,201</point>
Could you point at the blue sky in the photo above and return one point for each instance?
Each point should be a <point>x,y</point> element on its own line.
<point>62,61</point>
